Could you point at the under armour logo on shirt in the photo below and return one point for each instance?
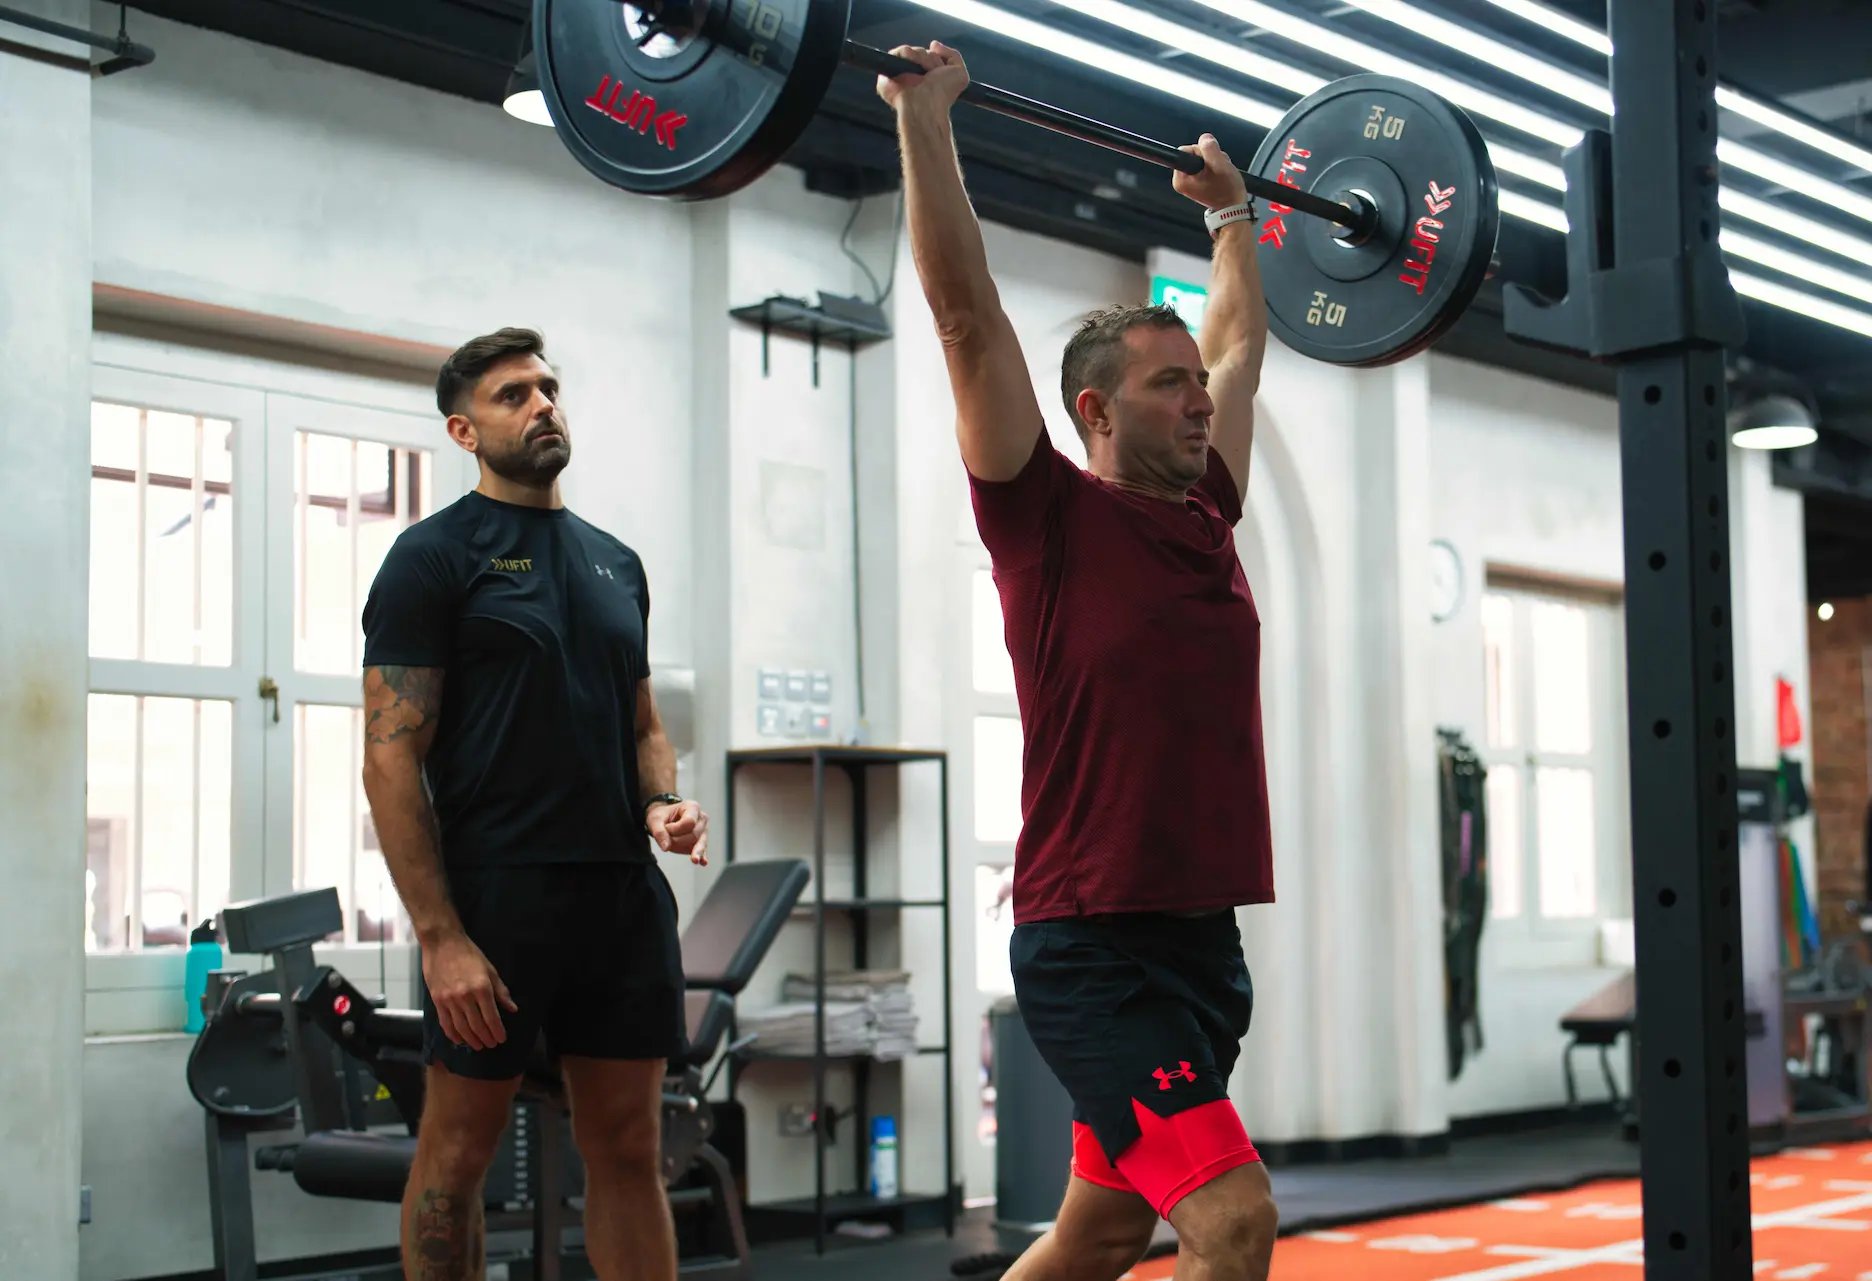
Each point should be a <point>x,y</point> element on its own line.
<point>1182,1070</point>
<point>603,572</point>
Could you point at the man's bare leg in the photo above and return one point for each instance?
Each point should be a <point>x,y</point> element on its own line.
<point>617,1122</point>
<point>444,1230</point>
<point>1226,1228</point>
<point>1100,1234</point>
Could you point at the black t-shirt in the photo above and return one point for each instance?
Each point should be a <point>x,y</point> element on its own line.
<point>540,621</point>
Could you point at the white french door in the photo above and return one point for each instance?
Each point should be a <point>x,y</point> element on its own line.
<point>239,509</point>
<point>343,481</point>
<point>173,798</point>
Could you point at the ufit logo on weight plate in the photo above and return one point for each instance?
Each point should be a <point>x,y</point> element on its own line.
<point>638,112</point>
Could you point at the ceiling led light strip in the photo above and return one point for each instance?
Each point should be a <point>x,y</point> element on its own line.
<point>1799,130</point>
<point>1556,79</point>
<point>1728,99</point>
<point>1270,70</point>
<point>1796,225</point>
<point>1140,71</point>
<point>1804,304</point>
<point>1548,76</point>
<point>1104,58</point>
<point>1546,174</point>
<point>1346,49</point>
<point>1506,160</point>
<point>1559,23</point>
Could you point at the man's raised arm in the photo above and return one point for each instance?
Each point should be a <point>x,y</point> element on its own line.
<point>1234,328</point>
<point>998,418</point>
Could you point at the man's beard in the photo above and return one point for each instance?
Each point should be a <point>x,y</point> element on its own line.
<point>530,463</point>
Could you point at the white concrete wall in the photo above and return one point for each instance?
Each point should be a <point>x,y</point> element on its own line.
<point>45,322</point>
<point>1524,474</point>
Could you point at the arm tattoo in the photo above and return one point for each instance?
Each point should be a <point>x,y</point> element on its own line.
<point>444,1238</point>
<point>400,700</point>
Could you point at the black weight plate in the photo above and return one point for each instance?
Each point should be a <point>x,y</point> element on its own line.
<point>1426,168</point>
<point>690,116</point>
<point>238,1065</point>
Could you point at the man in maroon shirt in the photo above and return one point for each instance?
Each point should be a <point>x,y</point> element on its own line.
<point>1136,652</point>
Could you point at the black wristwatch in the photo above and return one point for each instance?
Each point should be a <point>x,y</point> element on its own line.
<point>661,798</point>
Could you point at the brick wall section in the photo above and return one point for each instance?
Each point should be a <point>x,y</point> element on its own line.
<point>1837,652</point>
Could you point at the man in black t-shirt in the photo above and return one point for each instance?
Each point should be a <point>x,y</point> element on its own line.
<point>514,762</point>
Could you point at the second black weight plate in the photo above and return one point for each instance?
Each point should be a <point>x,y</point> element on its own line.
<point>688,113</point>
<point>1425,167</point>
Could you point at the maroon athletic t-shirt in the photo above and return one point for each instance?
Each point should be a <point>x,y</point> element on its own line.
<point>1137,652</point>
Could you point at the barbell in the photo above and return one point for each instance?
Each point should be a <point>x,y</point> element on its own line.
<point>1380,213</point>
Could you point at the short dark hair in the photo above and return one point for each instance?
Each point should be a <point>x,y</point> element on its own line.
<point>462,370</point>
<point>1095,355</point>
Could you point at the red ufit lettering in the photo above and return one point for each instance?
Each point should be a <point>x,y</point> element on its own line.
<point>638,112</point>
<point>1425,237</point>
<point>1275,228</point>
<point>604,95</point>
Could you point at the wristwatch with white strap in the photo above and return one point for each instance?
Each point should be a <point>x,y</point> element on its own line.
<point>1216,219</point>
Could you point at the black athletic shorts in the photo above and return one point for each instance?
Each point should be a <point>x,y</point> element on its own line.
<point>1141,1017</point>
<point>589,952</point>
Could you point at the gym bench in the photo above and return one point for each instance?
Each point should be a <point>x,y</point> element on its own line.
<point>299,1043</point>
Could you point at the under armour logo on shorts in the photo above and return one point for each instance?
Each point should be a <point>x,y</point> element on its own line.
<point>1164,1078</point>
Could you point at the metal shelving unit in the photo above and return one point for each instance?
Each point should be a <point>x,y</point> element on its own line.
<point>824,1209</point>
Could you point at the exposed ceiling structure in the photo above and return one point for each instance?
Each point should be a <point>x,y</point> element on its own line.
<point>1795,128</point>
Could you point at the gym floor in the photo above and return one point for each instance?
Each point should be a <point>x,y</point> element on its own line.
<point>1312,1197</point>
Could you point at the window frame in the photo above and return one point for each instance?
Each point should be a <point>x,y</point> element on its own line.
<point>139,992</point>
<point>129,980</point>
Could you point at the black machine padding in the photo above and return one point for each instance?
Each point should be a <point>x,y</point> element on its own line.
<point>738,921</point>
<point>274,924</point>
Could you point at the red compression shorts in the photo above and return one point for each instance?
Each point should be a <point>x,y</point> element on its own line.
<point>1173,1156</point>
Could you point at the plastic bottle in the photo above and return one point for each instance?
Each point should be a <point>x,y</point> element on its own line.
<point>204,955</point>
<point>884,1157</point>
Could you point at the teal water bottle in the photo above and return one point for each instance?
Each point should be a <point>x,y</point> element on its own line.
<point>204,955</point>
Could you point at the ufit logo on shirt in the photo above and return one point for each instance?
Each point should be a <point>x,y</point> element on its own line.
<point>513,564</point>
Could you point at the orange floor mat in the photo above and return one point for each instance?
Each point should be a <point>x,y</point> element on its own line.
<point>1812,1211</point>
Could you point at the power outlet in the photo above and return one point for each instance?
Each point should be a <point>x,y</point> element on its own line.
<point>796,1120</point>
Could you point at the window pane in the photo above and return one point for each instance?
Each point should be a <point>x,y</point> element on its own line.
<point>168,820</point>
<point>326,782</point>
<point>323,581</point>
<point>1569,855</point>
<point>1502,795</point>
<point>162,555</point>
<point>338,556</point>
<point>1498,661</point>
<point>997,778</point>
<point>994,670</point>
<point>159,784</point>
<point>994,927</point>
<point>217,580</point>
<point>169,442</point>
<point>110,814</point>
<point>217,451</point>
<point>169,575</point>
<point>1562,678</point>
<point>116,436</point>
<point>215,859</point>
<point>113,567</point>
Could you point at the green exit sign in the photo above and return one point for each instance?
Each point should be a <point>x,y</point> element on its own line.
<point>1185,299</point>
